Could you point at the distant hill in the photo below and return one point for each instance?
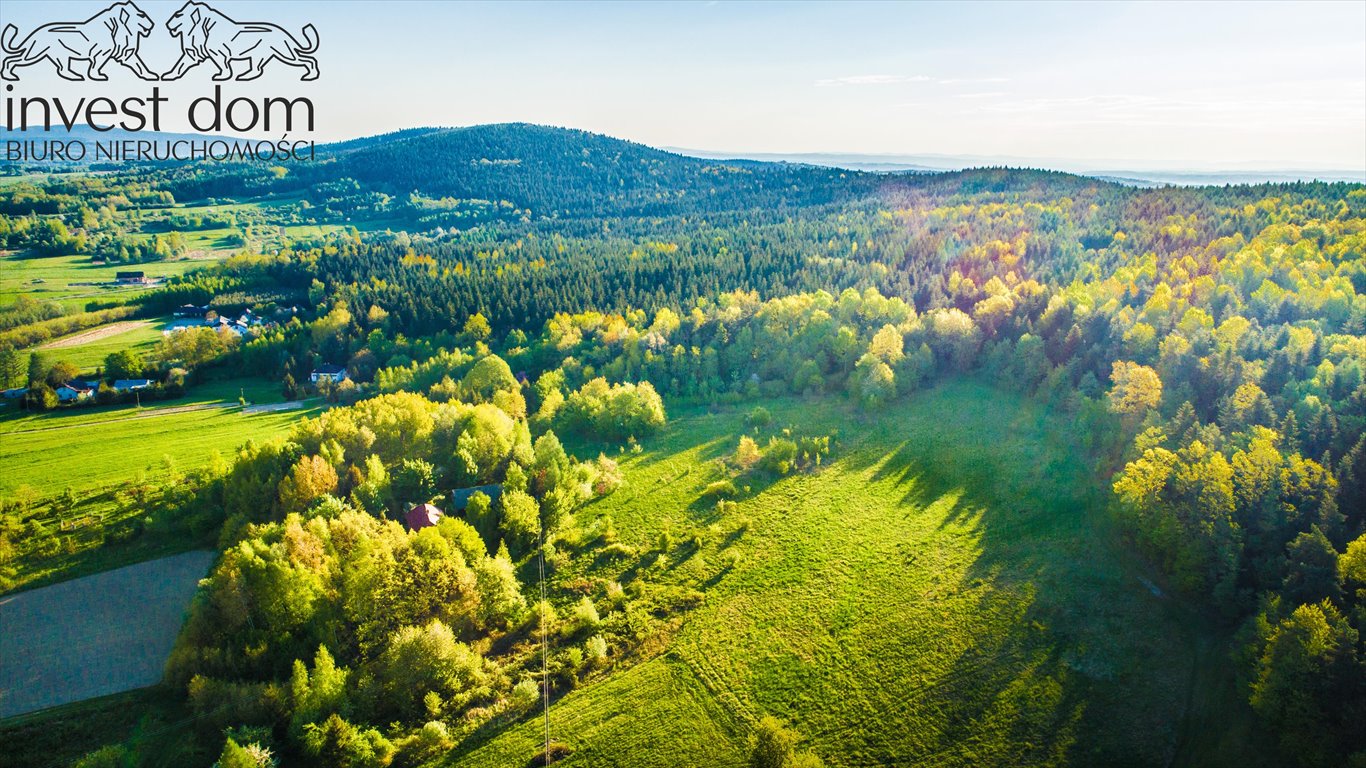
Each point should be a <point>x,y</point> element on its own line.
<point>1107,170</point>
<point>564,172</point>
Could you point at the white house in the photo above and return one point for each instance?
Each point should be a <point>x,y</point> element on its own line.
<point>333,373</point>
<point>74,392</point>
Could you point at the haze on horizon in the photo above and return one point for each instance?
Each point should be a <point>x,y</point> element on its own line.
<point>1198,86</point>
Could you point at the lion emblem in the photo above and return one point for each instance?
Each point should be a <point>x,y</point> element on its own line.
<point>207,34</point>
<point>113,34</point>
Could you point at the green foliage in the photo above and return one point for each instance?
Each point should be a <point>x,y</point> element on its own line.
<point>773,745</point>
<point>1303,685</point>
<point>612,411</point>
<point>335,743</point>
<point>421,660</point>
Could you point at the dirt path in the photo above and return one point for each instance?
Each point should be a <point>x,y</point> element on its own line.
<point>292,405</point>
<point>95,334</point>
<point>95,635</point>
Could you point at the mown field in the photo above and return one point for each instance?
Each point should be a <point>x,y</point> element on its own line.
<point>73,281</point>
<point>88,349</point>
<point>946,590</point>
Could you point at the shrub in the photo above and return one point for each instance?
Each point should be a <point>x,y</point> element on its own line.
<point>746,454</point>
<point>583,616</point>
<point>759,417</point>
<point>595,650</point>
<point>779,455</point>
<point>524,695</point>
<point>721,489</point>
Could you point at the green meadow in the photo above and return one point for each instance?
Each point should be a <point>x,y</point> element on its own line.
<point>947,589</point>
<point>73,281</point>
<point>140,337</point>
<point>87,448</point>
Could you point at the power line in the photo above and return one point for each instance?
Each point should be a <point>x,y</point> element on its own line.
<point>545,644</point>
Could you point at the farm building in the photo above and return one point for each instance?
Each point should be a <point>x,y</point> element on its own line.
<point>16,393</point>
<point>128,385</point>
<point>332,373</point>
<point>74,392</point>
<point>422,516</point>
<point>190,310</point>
<point>131,278</point>
<point>460,498</point>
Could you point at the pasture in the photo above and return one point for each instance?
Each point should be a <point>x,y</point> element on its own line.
<point>87,448</point>
<point>946,590</point>
<point>72,280</point>
<point>87,349</point>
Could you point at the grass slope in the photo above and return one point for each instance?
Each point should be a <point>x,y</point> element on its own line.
<point>946,591</point>
<point>88,349</point>
<point>85,448</point>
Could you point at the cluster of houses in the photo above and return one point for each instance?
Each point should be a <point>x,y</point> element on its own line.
<point>77,390</point>
<point>211,319</point>
<point>426,515</point>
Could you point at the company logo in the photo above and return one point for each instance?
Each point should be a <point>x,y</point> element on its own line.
<point>116,33</point>
<point>209,35</point>
<point>113,34</point>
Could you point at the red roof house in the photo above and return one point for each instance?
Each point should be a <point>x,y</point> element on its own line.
<point>422,516</point>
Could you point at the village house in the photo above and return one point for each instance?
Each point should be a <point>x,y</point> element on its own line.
<point>460,498</point>
<point>422,516</point>
<point>131,278</point>
<point>332,373</point>
<point>190,310</point>
<point>73,392</point>
<point>16,393</point>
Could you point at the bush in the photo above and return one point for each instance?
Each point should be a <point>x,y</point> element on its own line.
<point>111,756</point>
<point>595,650</point>
<point>773,745</point>
<point>583,616</point>
<point>721,489</point>
<point>524,695</point>
<point>779,455</point>
<point>746,454</point>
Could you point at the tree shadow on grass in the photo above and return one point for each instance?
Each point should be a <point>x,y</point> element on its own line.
<point>1079,673</point>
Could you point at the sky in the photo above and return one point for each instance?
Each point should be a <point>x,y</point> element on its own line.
<point>1200,86</point>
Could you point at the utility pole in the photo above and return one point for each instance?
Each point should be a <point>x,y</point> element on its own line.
<point>545,644</point>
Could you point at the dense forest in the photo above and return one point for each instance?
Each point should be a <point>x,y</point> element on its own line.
<point>1210,343</point>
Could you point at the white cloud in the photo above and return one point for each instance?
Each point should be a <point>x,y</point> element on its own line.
<point>873,80</point>
<point>898,79</point>
<point>972,80</point>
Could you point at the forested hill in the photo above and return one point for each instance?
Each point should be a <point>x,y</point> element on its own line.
<point>563,172</point>
<point>538,172</point>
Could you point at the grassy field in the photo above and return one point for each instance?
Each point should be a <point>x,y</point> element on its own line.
<point>87,349</point>
<point>87,448</point>
<point>947,590</point>
<point>71,280</point>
